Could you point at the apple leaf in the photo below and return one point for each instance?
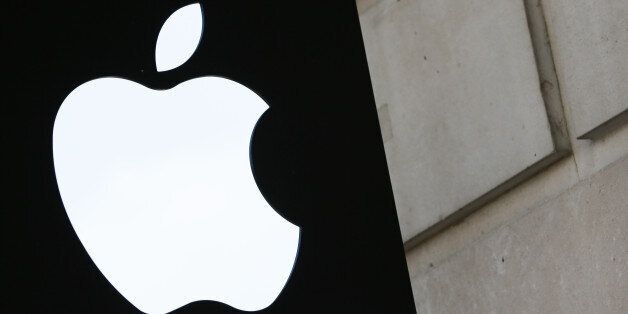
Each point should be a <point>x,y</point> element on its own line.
<point>179,37</point>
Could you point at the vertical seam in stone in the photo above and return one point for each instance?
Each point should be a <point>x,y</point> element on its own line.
<point>548,79</point>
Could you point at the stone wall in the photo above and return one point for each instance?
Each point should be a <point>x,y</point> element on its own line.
<point>505,124</point>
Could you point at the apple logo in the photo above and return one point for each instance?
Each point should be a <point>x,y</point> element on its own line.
<point>159,189</point>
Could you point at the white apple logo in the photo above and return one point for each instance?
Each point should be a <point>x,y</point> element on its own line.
<point>159,189</point>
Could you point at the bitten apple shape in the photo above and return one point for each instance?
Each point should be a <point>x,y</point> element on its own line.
<point>158,187</point>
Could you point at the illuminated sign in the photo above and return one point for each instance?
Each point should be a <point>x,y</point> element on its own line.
<point>159,189</point>
<point>183,157</point>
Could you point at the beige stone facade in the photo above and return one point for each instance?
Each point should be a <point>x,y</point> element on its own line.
<point>505,124</point>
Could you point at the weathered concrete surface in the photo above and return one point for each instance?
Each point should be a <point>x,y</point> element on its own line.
<point>590,45</point>
<point>563,232</point>
<point>568,254</point>
<point>459,84</point>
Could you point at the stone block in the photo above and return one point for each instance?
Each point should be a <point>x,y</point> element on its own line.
<point>565,255</point>
<point>590,45</point>
<point>459,83</point>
